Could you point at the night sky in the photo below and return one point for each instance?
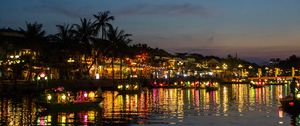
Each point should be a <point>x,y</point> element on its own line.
<point>256,29</point>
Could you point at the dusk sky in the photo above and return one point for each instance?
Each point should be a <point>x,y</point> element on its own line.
<point>255,29</point>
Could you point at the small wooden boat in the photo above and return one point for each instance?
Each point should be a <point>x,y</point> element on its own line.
<point>211,88</point>
<point>290,105</point>
<point>70,105</point>
<point>59,100</point>
<point>129,88</point>
<point>257,84</point>
<point>201,86</point>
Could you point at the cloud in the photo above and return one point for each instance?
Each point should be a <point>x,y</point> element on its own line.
<point>169,9</point>
<point>48,8</point>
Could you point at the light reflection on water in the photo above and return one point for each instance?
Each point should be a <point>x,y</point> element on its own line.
<point>230,105</point>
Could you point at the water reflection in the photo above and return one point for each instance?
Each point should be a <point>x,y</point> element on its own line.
<point>236,104</point>
<point>17,111</point>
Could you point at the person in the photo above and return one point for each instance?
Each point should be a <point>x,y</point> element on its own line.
<point>293,87</point>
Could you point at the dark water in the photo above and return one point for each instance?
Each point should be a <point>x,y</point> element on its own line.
<point>230,105</point>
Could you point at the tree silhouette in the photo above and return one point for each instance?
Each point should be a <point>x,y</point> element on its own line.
<point>85,33</point>
<point>119,43</point>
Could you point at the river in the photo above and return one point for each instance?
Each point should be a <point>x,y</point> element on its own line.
<point>236,104</point>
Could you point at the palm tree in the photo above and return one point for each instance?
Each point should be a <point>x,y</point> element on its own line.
<point>119,42</point>
<point>34,40</point>
<point>34,36</point>
<point>85,33</point>
<point>67,47</point>
<point>102,22</point>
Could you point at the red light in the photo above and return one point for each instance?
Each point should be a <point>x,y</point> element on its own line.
<point>291,103</point>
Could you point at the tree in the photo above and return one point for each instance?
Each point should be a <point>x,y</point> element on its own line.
<point>34,40</point>
<point>102,22</point>
<point>66,47</point>
<point>119,44</point>
<point>85,33</point>
<point>34,36</point>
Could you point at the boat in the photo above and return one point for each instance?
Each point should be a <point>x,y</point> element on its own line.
<point>257,84</point>
<point>291,103</point>
<point>129,88</point>
<point>201,86</point>
<point>59,100</point>
<point>209,85</point>
<point>211,88</point>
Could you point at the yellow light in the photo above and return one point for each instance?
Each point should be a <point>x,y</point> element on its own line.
<point>120,86</point>
<point>250,67</point>
<point>97,76</point>
<point>49,97</point>
<point>135,87</point>
<point>280,96</point>
<point>11,56</point>
<point>298,95</point>
<point>240,66</point>
<point>17,56</point>
<point>91,94</point>
<point>70,60</point>
<point>63,97</point>
<point>127,86</point>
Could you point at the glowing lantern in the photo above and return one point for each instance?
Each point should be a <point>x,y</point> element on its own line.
<point>298,95</point>
<point>135,87</point>
<point>120,86</point>
<point>42,75</point>
<point>63,97</point>
<point>280,96</point>
<point>97,76</point>
<point>91,94</point>
<point>49,97</point>
<point>291,103</point>
<point>85,94</point>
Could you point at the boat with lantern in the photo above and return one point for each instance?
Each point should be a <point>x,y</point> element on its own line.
<point>291,103</point>
<point>212,86</point>
<point>257,84</point>
<point>129,88</point>
<point>208,85</point>
<point>59,99</point>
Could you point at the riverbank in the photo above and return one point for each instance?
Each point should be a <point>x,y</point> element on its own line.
<point>20,86</point>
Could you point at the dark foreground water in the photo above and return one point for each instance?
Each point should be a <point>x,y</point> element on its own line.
<point>230,105</point>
